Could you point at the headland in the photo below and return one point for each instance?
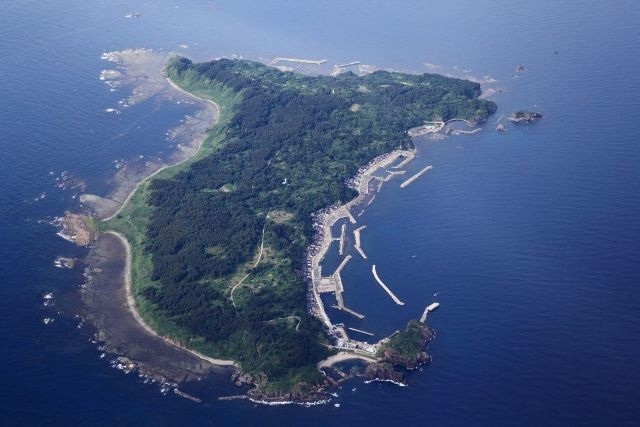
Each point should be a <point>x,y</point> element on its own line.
<point>234,288</point>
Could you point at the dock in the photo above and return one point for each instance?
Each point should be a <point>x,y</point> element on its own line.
<point>428,309</point>
<point>416,176</point>
<point>342,233</point>
<point>358,247</point>
<point>385,287</point>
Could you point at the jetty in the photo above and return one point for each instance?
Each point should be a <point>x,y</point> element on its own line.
<point>385,287</point>
<point>339,69</point>
<point>340,289</point>
<point>416,176</point>
<point>406,160</point>
<point>426,128</point>
<point>356,234</point>
<point>361,331</point>
<point>298,60</point>
<point>186,395</point>
<point>428,309</point>
<point>333,283</point>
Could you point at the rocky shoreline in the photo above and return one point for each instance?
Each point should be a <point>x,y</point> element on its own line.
<point>525,116</point>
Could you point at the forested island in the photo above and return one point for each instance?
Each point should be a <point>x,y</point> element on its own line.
<point>219,243</point>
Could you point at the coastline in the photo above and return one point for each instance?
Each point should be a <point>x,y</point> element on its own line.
<point>131,306</point>
<point>115,336</point>
<point>328,217</point>
<point>131,302</point>
<point>197,144</point>
<point>323,222</point>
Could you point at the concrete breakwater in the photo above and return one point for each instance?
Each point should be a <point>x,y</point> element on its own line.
<point>385,287</point>
<point>416,176</point>
<point>324,222</point>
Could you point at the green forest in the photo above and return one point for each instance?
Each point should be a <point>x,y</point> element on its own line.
<point>287,146</point>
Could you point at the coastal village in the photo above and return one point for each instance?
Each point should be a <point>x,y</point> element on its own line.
<point>367,182</point>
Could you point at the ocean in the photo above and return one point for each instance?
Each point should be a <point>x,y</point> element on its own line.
<point>529,239</point>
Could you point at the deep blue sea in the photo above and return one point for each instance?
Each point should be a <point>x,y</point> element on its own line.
<point>530,239</point>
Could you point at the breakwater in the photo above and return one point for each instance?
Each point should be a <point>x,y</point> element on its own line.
<point>385,287</point>
<point>416,176</point>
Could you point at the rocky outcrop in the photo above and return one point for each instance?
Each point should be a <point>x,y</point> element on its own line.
<point>525,117</point>
<point>383,371</point>
<point>77,228</point>
<point>406,349</point>
<point>405,361</point>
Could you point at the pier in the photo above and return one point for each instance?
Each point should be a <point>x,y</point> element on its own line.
<point>416,176</point>
<point>385,287</point>
<point>356,234</point>
<point>428,309</point>
<point>342,235</point>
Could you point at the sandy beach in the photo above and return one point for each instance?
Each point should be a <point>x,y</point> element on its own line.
<point>120,334</point>
<point>131,304</point>
<point>341,357</point>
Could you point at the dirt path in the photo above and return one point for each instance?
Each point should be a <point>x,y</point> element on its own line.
<point>254,265</point>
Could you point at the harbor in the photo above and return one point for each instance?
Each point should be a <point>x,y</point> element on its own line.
<point>367,182</point>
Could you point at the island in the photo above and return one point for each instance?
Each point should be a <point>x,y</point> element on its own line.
<point>524,116</point>
<point>219,245</point>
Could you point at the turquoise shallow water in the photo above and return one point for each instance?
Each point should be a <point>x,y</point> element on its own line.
<point>530,238</point>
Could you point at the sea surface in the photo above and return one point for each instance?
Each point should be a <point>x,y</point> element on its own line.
<point>530,240</point>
